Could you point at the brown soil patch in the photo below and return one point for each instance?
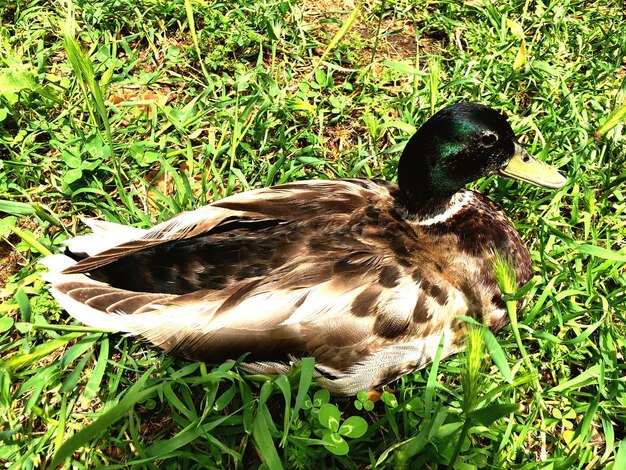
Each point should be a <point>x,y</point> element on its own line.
<point>9,265</point>
<point>12,261</point>
<point>396,38</point>
<point>139,100</point>
<point>9,259</point>
<point>340,137</point>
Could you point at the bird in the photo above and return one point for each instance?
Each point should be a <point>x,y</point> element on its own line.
<point>367,276</point>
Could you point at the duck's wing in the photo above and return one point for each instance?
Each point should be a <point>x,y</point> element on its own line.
<point>257,254</point>
<point>263,208</point>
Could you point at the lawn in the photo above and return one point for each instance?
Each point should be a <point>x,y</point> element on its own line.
<point>135,110</point>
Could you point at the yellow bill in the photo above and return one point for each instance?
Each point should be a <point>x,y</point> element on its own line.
<point>526,168</point>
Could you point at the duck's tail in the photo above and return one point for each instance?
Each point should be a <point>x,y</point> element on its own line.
<point>94,303</point>
<point>104,236</point>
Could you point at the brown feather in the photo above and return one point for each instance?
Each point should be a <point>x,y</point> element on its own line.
<point>328,269</point>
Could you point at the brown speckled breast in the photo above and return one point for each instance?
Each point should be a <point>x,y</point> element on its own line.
<point>476,230</point>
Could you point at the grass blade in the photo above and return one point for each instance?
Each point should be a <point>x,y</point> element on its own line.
<point>345,27</point>
<point>617,116</point>
<point>490,413</point>
<point>24,360</point>
<point>263,439</point>
<point>134,395</point>
<point>497,355</point>
<point>432,378</point>
<point>603,253</point>
<point>93,384</point>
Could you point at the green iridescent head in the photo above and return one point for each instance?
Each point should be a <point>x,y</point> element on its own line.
<point>460,144</point>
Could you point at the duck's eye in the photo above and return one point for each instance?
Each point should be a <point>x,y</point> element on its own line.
<point>488,139</point>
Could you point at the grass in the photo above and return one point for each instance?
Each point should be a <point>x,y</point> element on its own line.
<point>136,110</point>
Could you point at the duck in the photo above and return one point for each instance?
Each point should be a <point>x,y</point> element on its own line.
<point>366,276</point>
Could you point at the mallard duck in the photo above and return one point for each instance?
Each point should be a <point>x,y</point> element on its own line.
<point>364,275</point>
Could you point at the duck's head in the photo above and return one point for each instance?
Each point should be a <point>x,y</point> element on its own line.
<point>458,145</point>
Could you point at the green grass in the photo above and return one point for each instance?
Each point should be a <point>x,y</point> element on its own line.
<point>132,115</point>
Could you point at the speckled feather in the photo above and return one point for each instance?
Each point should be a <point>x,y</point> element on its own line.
<point>323,269</point>
<point>364,275</point>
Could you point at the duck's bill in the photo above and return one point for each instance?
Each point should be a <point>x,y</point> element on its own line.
<point>526,168</point>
